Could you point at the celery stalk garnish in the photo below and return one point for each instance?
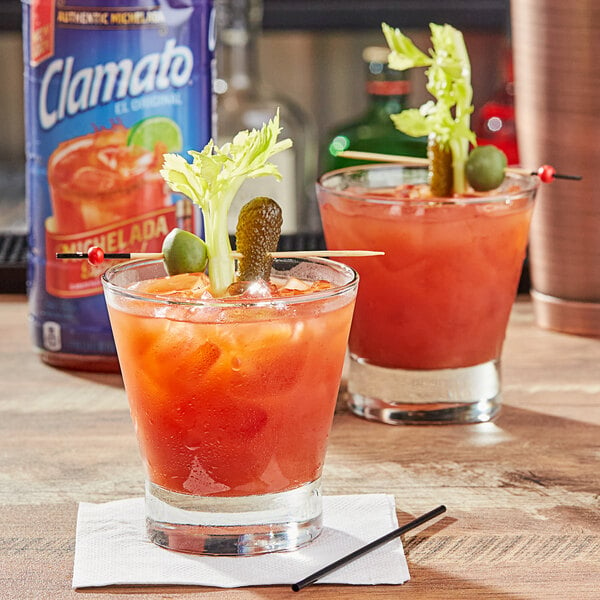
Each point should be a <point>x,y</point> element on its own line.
<point>449,82</point>
<point>212,180</point>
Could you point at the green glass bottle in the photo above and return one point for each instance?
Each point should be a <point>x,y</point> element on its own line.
<point>373,131</point>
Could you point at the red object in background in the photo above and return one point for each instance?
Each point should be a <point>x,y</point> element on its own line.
<point>495,121</point>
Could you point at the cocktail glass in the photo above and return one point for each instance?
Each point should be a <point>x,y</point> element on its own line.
<point>232,400</point>
<point>431,314</point>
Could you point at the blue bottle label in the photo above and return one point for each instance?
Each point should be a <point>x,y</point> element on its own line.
<point>108,90</point>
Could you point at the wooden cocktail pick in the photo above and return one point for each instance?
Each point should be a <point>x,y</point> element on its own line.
<point>95,255</point>
<point>546,173</point>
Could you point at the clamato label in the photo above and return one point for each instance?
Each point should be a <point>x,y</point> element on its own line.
<point>109,90</point>
<point>87,87</point>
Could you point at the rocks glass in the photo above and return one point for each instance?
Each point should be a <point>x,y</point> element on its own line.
<point>431,314</point>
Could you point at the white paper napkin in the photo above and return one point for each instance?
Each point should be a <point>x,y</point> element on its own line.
<point>111,548</point>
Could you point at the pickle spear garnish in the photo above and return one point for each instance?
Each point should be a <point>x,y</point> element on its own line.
<point>440,169</point>
<point>257,235</point>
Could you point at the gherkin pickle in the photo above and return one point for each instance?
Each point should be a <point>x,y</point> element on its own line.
<point>257,235</point>
<point>441,177</point>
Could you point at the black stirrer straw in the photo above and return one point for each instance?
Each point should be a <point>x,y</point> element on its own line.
<point>296,587</point>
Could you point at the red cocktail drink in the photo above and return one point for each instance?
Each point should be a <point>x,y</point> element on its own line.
<point>232,399</point>
<point>436,305</point>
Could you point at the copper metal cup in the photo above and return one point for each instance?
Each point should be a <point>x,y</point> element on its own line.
<point>556,45</point>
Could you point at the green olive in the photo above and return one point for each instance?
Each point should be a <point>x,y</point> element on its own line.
<point>184,252</point>
<point>485,168</point>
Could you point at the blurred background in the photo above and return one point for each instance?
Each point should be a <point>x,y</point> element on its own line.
<point>309,52</point>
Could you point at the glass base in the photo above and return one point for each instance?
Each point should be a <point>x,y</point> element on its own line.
<point>235,526</point>
<point>413,397</point>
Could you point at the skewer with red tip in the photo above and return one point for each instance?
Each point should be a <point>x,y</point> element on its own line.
<point>546,173</point>
<point>96,255</point>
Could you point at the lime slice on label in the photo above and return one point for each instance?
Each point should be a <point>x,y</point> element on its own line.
<point>147,132</point>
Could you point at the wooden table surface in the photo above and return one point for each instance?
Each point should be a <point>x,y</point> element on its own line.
<point>523,492</point>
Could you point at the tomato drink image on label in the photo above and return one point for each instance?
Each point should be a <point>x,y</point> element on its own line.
<point>109,89</point>
<point>431,313</point>
<point>99,178</point>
